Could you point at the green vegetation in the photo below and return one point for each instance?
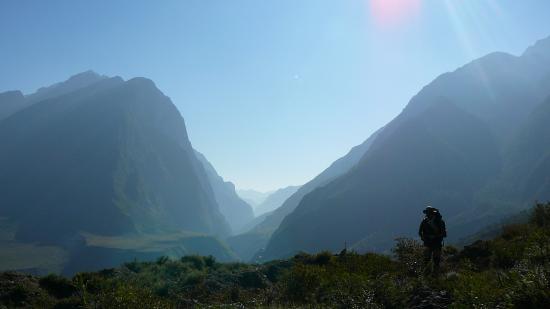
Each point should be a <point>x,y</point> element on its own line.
<point>511,270</point>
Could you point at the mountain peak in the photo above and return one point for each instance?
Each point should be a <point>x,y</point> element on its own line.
<point>141,82</point>
<point>143,86</point>
<point>75,82</point>
<point>82,79</point>
<point>12,94</point>
<point>86,77</point>
<point>541,46</point>
<point>10,102</point>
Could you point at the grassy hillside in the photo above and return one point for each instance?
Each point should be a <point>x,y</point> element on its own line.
<point>511,270</point>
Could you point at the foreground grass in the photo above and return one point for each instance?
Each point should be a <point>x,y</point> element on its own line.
<point>509,271</point>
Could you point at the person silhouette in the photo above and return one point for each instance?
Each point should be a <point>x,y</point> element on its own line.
<point>432,231</point>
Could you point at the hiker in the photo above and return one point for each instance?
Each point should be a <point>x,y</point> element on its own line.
<point>432,231</point>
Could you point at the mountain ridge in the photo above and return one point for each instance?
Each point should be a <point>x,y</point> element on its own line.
<point>488,89</point>
<point>135,174</point>
<point>237,212</point>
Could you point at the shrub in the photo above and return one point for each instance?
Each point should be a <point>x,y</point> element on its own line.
<point>57,286</point>
<point>129,296</point>
<point>69,303</point>
<point>409,253</point>
<point>209,261</point>
<point>478,290</point>
<point>540,216</point>
<point>322,258</point>
<point>196,261</point>
<point>300,284</point>
<point>161,260</point>
<point>133,266</point>
<point>18,294</point>
<point>252,279</point>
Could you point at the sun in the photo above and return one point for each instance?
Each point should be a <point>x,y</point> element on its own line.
<point>393,12</point>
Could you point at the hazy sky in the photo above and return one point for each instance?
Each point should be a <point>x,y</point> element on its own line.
<point>272,91</point>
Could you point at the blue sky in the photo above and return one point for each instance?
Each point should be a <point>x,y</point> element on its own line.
<point>272,91</point>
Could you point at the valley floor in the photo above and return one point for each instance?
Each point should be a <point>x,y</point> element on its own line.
<point>511,270</point>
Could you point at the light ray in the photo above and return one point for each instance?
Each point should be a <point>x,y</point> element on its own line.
<point>462,34</point>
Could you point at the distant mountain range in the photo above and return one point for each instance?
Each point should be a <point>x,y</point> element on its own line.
<point>249,243</point>
<point>275,200</point>
<point>253,197</point>
<point>98,158</point>
<point>474,143</point>
<point>235,210</point>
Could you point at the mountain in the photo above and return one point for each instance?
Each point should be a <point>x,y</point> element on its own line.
<point>336,169</point>
<point>10,102</point>
<point>256,238</point>
<point>401,173</point>
<point>13,101</point>
<point>111,159</point>
<point>253,197</point>
<point>275,200</point>
<point>237,212</point>
<point>529,161</point>
<point>75,82</point>
<point>452,147</point>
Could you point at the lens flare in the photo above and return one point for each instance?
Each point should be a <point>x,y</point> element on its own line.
<point>393,12</point>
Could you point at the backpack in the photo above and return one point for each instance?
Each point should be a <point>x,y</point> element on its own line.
<point>437,229</point>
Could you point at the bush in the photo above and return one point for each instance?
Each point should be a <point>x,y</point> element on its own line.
<point>541,215</point>
<point>252,279</point>
<point>161,260</point>
<point>69,303</point>
<point>409,253</point>
<point>209,261</point>
<point>478,253</point>
<point>57,286</point>
<point>322,258</point>
<point>128,296</point>
<point>479,290</point>
<point>196,261</point>
<point>301,283</point>
<point>18,295</point>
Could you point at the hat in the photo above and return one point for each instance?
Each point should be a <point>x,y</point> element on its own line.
<point>429,209</point>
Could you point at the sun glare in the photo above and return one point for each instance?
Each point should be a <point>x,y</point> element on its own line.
<point>393,12</point>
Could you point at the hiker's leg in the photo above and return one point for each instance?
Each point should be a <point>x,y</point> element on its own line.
<point>437,256</point>
<point>427,255</point>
